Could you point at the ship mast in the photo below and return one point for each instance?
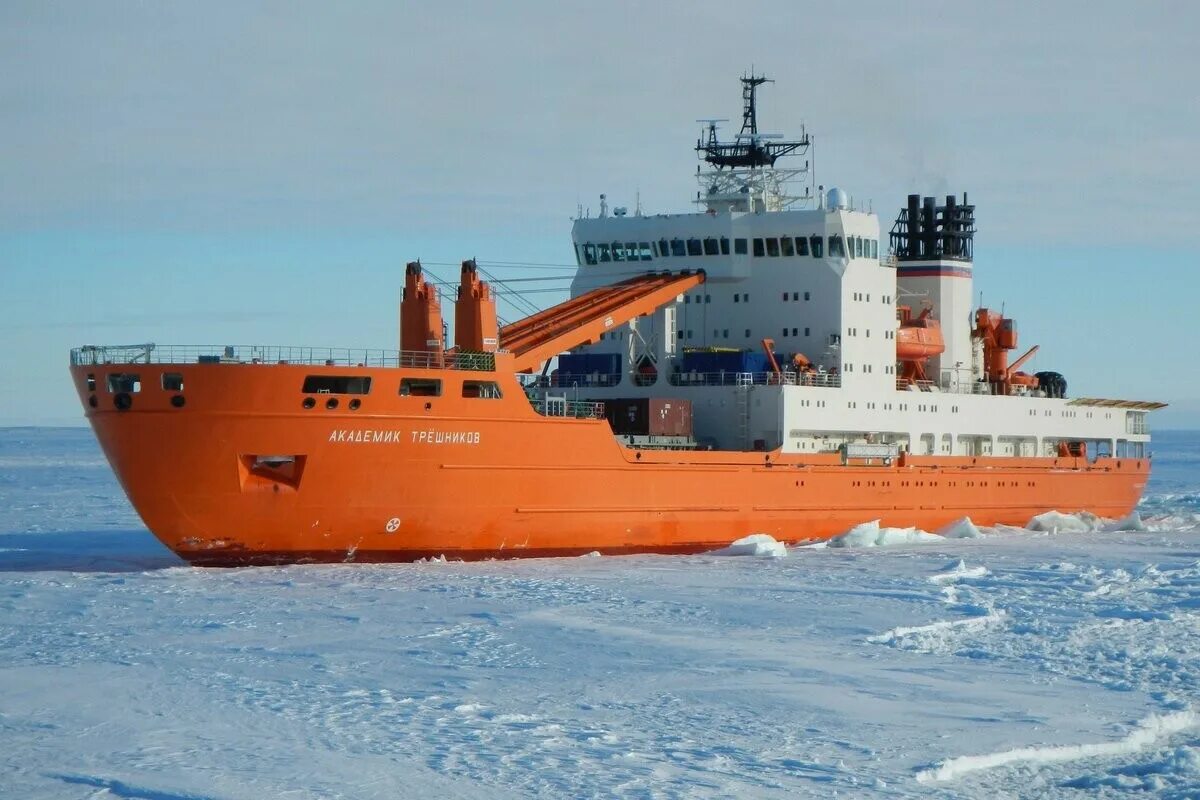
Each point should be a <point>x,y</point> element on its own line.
<point>743,175</point>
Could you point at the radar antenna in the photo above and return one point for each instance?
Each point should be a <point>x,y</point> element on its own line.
<point>743,175</point>
<point>748,149</point>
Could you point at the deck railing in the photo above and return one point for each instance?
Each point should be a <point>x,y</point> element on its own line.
<point>830,380</point>
<point>561,407</point>
<point>92,355</point>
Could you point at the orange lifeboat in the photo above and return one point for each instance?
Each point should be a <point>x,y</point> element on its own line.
<point>917,339</point>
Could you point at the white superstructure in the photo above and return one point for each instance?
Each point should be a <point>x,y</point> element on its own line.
<point>823,286</point>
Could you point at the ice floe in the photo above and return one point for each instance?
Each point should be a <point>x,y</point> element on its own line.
<point>870,534</point>
<point>757,545</point>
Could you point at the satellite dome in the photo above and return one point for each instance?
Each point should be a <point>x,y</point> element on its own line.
<point>837,199</point>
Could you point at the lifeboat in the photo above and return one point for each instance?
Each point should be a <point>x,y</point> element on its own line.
<point>917,339</point>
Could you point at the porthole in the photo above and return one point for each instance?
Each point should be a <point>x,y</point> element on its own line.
<point>331,403</point>
<point>92,401</point>
<point>178,401</point>
<point>354,404</point>
<point>309,402</point>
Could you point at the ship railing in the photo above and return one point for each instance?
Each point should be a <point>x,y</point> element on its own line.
<point>829,380</point>
<point>551,406</point>
<point>94,355</point>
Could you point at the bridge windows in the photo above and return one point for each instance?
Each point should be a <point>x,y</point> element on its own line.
<point>739,247</point>
<point>724,245</point>
<point>837,248</point>
<point>172,381</point>
<point>644,251</point>
<point>817,245</point>
<point>664,249</point>
<point>602,250</point>
<point>678,248</point>
<point>711,248</point>
<point>694,248</point>
<point>589,253</point>
<point>760,249</point>
<point>773,247</point>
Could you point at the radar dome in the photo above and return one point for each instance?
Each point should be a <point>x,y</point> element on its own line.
<point>837,199</point>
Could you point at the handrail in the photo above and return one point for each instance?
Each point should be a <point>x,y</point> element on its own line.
<point>93,355</point>
<point>828,380</point>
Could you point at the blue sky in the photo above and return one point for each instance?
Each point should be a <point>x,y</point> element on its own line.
<point>214,173</point>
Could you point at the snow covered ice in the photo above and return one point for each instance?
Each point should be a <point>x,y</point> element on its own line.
<point>1012,663</point>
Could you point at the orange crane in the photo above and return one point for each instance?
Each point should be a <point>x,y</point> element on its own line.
<point>999,335</point>
<point>538,338</point>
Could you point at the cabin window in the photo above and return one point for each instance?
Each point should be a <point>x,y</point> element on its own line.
<point>806,330</point>
<point>91,382</point>
<point>124,382</point>
<point>589,253</point>
<point>725,333</point>
<point>680,336</point>
<point>337,384</point>
<point>485,390</point>
<point>795,296</point>
<point>858,247</point>
<point>794,331</point>
<point>785,246</point>
<point>172,381</point>
<point>708,298</point>
<point>817,245</point>
<point>420,387</point>
<point>737,297</point>
<point>604,255</point>
<point>773,247</point>
<point>760,249</point>
<point>687,298</point>
<point>785,296</point>
<point>724,245</point>
<point>836,249</point>
<point>874,248</point>
<point>785,332</point>
<point>678,248</point>
<point>694,247</point>
<point>739,247</point>
<point>663,248</point>
<point>644,250</point>
<point>747,333</point>
<point>711,248</point>
<point>807,296</point>
<point>801,246</point>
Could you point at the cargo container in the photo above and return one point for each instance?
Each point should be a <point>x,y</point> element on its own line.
<point>649,416</point>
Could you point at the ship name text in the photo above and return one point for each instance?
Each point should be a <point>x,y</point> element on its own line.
<point>431,436</point>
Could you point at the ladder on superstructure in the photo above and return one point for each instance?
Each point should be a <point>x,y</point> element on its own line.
<point>745,382</point>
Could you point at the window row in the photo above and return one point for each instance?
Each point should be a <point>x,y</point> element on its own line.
<point>765,247</point>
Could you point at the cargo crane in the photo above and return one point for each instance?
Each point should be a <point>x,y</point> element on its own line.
<point>999,335</point>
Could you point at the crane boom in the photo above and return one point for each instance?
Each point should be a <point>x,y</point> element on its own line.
<point>582,319</point>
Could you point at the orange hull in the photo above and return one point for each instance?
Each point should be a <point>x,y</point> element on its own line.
<point>407,477</point>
